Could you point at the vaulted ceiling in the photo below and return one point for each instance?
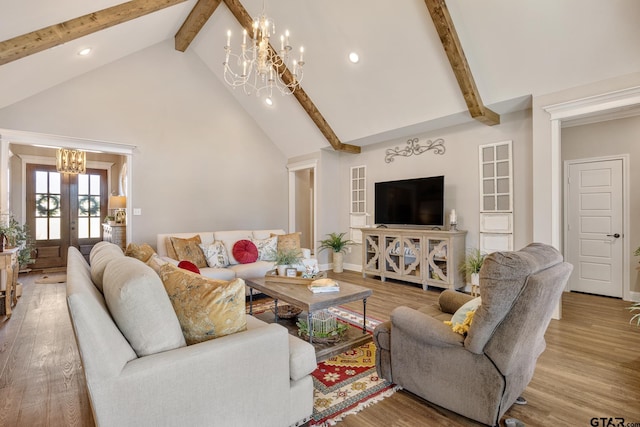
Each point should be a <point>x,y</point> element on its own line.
<point>404,83</point>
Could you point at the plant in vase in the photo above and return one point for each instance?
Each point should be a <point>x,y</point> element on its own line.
<point>473,264</point>
<point>338,244</point>
<point>17,235</point>
<point>286,258</point>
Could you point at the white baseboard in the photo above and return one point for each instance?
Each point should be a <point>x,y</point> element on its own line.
<point>635,296</point>
<point>353,267</point>
<point>350,267</point>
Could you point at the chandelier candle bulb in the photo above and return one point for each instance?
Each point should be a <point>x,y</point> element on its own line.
<point>286,38</point>
<point>244,37</point>
<point>301,55</point>
<point>229,38</point>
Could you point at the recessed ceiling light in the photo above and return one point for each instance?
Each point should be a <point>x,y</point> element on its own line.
<point>268,101</point>
<point>353,57</point>
<point>84,52</point>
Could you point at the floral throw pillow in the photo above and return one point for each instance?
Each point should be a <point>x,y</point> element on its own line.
<point>266,248</point>
<point>215,254</point>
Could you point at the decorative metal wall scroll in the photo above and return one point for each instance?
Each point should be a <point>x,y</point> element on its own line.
<point>414,147</point>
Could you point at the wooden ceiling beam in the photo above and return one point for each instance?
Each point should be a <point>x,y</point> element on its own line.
<point>246,22</point>
<point>54,35</point>
<point>452,46</point>
<point>199,16</point>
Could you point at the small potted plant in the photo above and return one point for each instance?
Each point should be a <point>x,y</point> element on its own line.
<point>338,245</point>
<point>285,258</point>
<point>472,264</point>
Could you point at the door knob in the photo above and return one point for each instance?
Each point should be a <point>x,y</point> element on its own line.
<point>614,235</point>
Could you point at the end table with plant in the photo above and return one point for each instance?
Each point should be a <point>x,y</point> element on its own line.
<point>338,245</point>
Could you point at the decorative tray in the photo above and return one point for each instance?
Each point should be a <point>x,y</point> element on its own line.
<point>287,311</point>
<point>272,276</point>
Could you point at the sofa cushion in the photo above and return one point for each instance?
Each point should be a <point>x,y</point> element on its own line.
<point>215,254</point>
<point>220,273</point>
<point>142,252</point>
<point>245,252</point>
<point>266,248</point>
<point>255,269</point>
<point>100,256</point>
<point>206,308</point>
<point>189,249</point>
<point>264,234</point>
<point>140,307</point>
<point>229,238</point>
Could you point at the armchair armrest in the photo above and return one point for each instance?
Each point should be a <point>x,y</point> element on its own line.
<point>425,329</point>
<point>450,301</point>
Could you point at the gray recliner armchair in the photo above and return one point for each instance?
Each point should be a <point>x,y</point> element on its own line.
<point>481,375</point>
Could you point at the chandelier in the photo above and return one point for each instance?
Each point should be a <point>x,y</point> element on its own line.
<point>257,67</point>
<point>71,161</point>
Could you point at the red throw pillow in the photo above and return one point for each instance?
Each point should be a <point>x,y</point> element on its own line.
<point>188,265</point>
<point>245,252</point>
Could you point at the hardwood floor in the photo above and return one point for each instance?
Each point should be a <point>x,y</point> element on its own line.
<point>591,367</point>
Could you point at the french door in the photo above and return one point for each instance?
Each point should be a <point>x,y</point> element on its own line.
<point>64,210</point>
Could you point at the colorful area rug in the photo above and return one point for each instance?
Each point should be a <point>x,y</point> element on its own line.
<point>347,383</point>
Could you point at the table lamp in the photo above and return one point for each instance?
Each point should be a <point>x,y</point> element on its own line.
<point>119,205</point>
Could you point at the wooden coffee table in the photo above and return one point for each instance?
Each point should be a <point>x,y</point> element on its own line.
<point>301,297</point>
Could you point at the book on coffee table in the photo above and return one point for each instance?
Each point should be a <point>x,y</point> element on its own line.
<point>324,285</point>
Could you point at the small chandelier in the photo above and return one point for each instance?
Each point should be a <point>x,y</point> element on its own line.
<point>71,161</point>
<point>258,68</point>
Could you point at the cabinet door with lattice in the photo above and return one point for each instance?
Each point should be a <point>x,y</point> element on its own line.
<point>371,253</point>
<point>438,260</point>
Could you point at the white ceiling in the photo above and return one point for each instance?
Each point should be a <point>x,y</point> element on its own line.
<point>403,83</point>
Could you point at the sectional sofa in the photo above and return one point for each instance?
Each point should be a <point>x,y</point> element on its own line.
<point>139,370</point>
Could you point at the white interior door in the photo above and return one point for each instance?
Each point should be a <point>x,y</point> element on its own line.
<point>595,227</point>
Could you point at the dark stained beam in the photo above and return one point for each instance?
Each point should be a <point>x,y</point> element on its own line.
<point>246,22</point>
<point>199,16</point>
<point>452,46</point>
<point>54,35</point>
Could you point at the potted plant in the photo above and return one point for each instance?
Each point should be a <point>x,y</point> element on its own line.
<point>338,244</point>
<point>472,264</point>
<point>17,235</point>
<point>285,258</point>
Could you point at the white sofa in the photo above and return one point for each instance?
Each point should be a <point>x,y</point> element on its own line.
<point>260,376</point>
<point>242,271</point>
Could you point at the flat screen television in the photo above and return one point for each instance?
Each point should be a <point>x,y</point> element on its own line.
<point>418,201</point>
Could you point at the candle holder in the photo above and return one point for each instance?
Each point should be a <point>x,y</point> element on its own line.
<point>453,226</point>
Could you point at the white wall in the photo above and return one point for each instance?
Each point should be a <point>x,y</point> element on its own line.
<point>459,165</point>
<point>201,162</point>
<point>607,139</point>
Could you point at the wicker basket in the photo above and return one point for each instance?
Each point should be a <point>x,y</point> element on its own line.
<point>287,311</point>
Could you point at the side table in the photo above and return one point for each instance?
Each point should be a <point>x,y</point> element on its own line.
<point>116,234</point>
<point>9,263</point>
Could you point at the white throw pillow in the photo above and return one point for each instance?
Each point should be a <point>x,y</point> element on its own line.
<point>215,254</point>
<point>461,313</point>
<point>266,248</point>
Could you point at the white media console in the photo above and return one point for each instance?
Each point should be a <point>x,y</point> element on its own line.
<point>427,257</point>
